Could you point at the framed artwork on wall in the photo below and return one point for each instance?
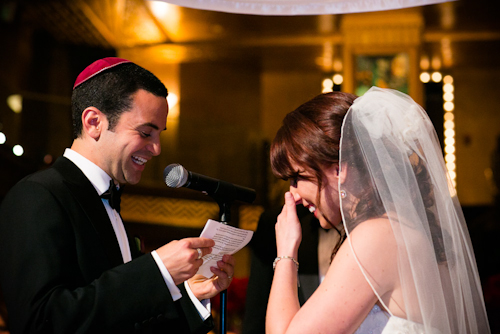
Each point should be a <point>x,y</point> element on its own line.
<point>384,71</point>
<point>385,67</point>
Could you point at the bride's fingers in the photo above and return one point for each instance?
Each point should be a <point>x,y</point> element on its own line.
<point>290,208</point>
<point>283,215</point>
<point>289,203</point>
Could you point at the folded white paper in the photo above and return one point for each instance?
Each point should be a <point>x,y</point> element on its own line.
<point>228,240</point>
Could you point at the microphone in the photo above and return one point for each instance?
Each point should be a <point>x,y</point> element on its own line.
<point>176,176</point>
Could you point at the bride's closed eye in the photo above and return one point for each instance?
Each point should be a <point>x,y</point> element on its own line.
<point>296,177</point>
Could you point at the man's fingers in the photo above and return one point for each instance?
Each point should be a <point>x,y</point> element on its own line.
<point>229,259</point>
<point>194,248</point>
<point>199,242</point>
<point>199,246</point>
<point>202,251</point>
<point>227,267</point>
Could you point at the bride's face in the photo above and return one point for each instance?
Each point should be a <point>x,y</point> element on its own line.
<point>305,191</point>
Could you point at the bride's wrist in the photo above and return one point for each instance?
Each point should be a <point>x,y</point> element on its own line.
<point>288,251</point>
<point>286,257</point>
<point>291,259</point>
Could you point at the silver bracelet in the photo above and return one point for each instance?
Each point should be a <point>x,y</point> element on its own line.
<point>285,257</point>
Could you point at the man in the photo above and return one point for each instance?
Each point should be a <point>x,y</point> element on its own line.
<point>66,264</point>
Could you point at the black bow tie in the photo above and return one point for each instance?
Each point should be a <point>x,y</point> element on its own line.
<point>113,196</point>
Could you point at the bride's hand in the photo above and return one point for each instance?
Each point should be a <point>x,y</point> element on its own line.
<point>288,229</point>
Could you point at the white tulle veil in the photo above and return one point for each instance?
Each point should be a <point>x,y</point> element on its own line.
<point>391,155</point>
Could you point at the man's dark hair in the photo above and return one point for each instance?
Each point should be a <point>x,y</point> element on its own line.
<point>112,93</point>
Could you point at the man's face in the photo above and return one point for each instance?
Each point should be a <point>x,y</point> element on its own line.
<point>135,139</point>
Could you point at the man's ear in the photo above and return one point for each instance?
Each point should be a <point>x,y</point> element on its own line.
<point>93,122</point>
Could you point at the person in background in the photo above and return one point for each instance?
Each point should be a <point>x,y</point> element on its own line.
<point>374,164</point>
<point>67,264</point>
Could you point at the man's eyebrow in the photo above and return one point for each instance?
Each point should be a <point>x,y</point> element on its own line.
<point>152,125</point>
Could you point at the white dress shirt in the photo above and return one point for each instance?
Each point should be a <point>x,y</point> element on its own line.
<point>100,180</point>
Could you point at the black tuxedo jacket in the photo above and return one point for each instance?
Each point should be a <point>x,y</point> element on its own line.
<point>61,269</point>
<point>263,253</point>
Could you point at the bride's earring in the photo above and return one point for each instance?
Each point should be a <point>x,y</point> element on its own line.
<point>343,194</point>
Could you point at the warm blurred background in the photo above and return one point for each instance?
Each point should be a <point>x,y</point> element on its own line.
<point>233,77</point>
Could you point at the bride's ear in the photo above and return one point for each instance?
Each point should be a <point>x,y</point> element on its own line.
<point>338,173</point>
<point>341,172</point>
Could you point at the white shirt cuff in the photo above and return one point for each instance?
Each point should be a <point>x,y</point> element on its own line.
<point>169,281</point>
<point>203,307</point>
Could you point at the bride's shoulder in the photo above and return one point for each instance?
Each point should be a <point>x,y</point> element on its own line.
<point>374,238</point>
<point>375,227</point>
<point>372,245</point>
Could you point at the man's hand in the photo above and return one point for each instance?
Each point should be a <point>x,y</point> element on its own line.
<point>205,288</point>
<point>182,258</point>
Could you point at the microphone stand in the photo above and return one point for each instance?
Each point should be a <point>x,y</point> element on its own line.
<point>224,194</point>
<point>224,217</point>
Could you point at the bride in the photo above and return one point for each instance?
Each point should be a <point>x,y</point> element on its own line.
<point>374,164</point>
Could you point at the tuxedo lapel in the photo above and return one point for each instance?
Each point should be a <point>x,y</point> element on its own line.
<point>87,198</point>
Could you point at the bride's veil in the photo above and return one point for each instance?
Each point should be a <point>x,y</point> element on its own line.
<point>394,167</point>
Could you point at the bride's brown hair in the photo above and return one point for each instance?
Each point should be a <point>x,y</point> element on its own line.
<point>309,137</point>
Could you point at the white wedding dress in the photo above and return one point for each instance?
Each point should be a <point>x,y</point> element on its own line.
<point>381,322</point>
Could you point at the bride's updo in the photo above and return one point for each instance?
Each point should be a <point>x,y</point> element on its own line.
<point>310,136</point>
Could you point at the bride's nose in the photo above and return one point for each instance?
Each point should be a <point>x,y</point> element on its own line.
<point>296,195</point>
